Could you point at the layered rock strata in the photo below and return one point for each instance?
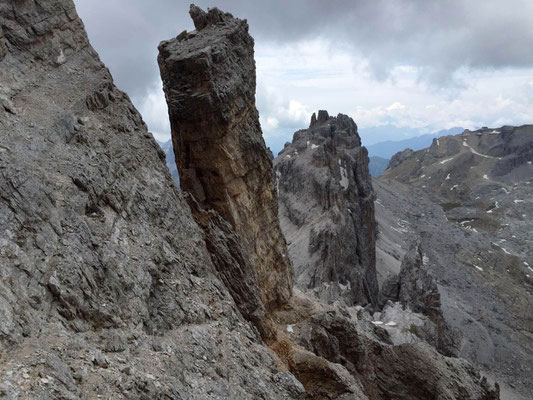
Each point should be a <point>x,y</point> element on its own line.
<point>326,210</point>
<point>107,288</point>
<point>209,81</point>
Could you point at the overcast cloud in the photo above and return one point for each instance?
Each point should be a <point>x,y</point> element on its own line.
<point>418,64</point>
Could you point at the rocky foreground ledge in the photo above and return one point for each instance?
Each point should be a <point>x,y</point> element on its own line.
<point>107,286</point>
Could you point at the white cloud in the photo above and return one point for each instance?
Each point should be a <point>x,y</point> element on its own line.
<point>298,79</point>
<point>153,108</point>
<point>269,123</point>
<point>396,106</point>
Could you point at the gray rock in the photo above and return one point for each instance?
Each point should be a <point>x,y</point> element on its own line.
<point>220,152</point>
<point>100,256</point>
<point>474,226</point>
<point>326,209</point>
<point>408,371</point>
<point>418,291</point>
<point>232,263</point>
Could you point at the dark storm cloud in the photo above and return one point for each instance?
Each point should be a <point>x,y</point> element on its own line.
<point>437,37</point>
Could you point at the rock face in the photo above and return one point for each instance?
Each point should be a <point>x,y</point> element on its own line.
<point>467,198</point>
<point>416,289</point>
<point>209,80</point>
<point>326,209</point>
<point>232,264</point>
<point>107,288</point>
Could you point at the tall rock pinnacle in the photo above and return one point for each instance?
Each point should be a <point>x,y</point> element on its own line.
<point>327,210</point>
<point>209,81</point>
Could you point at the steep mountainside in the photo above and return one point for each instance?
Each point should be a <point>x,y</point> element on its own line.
<point>469,199</point>
<point>326,210</point>
<point>107,288</point>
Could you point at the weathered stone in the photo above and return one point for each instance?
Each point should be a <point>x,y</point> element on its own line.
<point>390,289</point>
<point>209,81</point>
<point>326,209</point>
<point>3,50</point>
<point>415,288</point>
<point>232,263</point>
<point>323,116</point>
<point>107,288</point>
<point>321,378</point>
<point>399,157</point>
<point>409,371</point>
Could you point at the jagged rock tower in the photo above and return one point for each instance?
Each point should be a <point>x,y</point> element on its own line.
<point>209,81</point>
<point>327,210</point>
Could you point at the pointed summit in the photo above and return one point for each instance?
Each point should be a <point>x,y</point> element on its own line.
<point>203,19</point>
<point>313,120</point>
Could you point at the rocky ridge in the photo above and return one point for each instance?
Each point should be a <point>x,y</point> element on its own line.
<point>326,210</point>
<point>414,287</point>
<point>349,336</point>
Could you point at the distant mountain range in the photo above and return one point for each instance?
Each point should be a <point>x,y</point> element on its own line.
<point>387,149</point>
<point>380,153</point>
<point>377,165</point>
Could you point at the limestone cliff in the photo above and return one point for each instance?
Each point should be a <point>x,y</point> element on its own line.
<point>326,210</point>
<point>107,288</point>
<point>339,353</point>
<point>209,81</point>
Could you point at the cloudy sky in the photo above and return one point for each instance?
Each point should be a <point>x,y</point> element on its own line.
<point>417,65</point>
